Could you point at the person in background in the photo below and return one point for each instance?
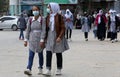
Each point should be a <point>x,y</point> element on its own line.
<point>22,25</point>
<point>113,23</point>
<point>108,27</point>
<point>101,21</point>
<point>94,25</point>
<point>78,21</point>
<point>68,24</point>
<point>56,41</point>
<point>85,25</point>
<point>35,36</point>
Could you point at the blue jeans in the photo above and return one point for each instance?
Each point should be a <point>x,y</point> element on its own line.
<point>21,34</point>
<point>31,57</point>
<point>95,33</point>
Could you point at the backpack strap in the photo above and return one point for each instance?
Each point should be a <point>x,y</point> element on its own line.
<point>30,20</point>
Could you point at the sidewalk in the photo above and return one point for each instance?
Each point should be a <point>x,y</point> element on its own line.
<point>84,59</point>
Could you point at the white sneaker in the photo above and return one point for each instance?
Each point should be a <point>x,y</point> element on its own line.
<point>116,40</point>
<point>40,71</point>
<point>28,72</point>
<point>47,72</point>
<point>113,41</point>
<point>70,39</point>
<point>58,72</point>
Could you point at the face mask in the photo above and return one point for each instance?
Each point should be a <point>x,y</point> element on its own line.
<point>35,13</point>
<point>48,10</point>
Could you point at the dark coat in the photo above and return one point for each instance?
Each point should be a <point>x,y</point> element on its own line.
<point>22,23</point>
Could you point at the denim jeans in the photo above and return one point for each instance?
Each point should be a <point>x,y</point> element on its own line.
<point>21,34</point>
<point>31,58</point>
<point>95,33</point>
<point>49,60</point>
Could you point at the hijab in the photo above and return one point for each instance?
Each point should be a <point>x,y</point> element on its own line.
<point>99,18</point>
<point>112,15</point>
<point>55,9</point>
<point>68,13</point>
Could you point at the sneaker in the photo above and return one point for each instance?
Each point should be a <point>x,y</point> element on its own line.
<point>86,39</point>
<point>113,41</point>
<point>47,72</point>
<point>28,72</point>
<point>58,72</point>
<point>116,40</point>
<point>40,71</point>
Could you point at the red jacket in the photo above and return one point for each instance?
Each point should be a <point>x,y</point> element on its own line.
<point>97,17</point>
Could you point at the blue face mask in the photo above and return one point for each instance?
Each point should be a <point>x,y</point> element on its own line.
<point>35,13</point>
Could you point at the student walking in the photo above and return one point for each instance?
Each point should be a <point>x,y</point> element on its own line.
<point>56,42</point>
<point>85,26</point>
<point>113,23</point>
<point>35,35</point>
<point>22,25</point>
<point>101,21</point>
<point>68,24</point>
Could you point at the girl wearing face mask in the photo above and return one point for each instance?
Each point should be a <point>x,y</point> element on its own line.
<point>35,34</point>
<point>56,42</point>
<point>113,25</point>
<point>101,21</point>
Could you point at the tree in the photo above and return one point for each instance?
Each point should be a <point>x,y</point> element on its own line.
<point>1,5</point>
<point>4,5</point>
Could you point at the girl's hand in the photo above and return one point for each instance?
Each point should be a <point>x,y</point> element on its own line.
<point>25,43</point>
<point>42,44</point>
<point>58,40</point>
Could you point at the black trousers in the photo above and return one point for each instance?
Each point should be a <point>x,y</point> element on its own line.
<point>113,35</point>
<point>68,33</point>
<point>49,60</point>
<point>86,34</point>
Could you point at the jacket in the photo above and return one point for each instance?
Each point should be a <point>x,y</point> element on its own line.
<point>59,25</point>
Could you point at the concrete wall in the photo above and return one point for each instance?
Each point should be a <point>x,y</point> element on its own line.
<point>117,6</point>
<point>14,7</point>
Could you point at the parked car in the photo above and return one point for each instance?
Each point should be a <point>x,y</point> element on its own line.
<point>9,22</point>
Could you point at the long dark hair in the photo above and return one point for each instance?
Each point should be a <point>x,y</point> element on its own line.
<point>29,13</point>
<point>37,7</point>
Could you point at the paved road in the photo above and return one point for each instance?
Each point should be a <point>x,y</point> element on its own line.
<point>84,59</point>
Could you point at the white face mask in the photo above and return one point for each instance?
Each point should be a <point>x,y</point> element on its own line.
<point>48,10</point>
<point>35,13</point>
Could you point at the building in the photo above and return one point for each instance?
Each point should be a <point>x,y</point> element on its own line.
<point>117,6</point>
<point>94,5</point>
<point>19,6</point>
<point>64,4</point>
<point>13,7</point>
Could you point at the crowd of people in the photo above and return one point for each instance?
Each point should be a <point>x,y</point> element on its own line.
<point>53,31</point>
<point>104,25</point>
